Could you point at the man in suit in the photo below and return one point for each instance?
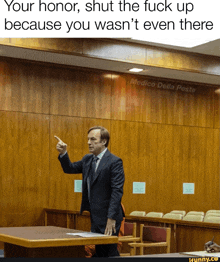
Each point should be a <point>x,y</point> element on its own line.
<point>102,185</point>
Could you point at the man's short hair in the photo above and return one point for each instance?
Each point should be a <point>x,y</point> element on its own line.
<point>104,134</point>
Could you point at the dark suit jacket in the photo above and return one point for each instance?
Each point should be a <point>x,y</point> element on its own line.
<point>106,190</point>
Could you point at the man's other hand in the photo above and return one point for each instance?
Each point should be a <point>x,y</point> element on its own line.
<point>110,227</point>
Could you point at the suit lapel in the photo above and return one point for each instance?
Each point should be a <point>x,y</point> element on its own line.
<point>102,163</point>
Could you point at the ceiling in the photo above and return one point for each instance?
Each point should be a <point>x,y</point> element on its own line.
<point>211,48</point>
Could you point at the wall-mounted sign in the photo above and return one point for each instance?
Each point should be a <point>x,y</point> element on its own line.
<point>139,187</point>
<point>78,186</point>
<point>188,188</point>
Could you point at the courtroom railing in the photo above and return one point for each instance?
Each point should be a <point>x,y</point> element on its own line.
<point>185,235</point>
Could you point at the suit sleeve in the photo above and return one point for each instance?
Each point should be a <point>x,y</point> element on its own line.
<point>69,167</point>
<point>117,183</point>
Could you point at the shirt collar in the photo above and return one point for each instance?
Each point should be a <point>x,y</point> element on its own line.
<point>101,154</point>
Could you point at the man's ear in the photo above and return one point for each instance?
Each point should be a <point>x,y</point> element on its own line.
<point>104,141</point>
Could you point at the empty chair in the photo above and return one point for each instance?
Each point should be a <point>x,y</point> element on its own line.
<point>129,236</point>
<point>195,213</point>
<point>154,236</point>
<point>173,216</point>
<point>198,218</point>
<point>179,212</point>
<point>138,213</point>
<point>212,219</point>
<point>154,214</point>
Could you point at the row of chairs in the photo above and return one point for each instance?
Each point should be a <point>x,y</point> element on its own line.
<point>150,236</point>
<point>211,216</point>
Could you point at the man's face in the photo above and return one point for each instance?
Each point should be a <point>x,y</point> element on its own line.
<point>96,146</point>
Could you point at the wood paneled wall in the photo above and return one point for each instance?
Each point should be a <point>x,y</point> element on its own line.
<point>166,132</point>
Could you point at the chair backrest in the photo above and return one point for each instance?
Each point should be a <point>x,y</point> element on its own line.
<point>212,215</point>
<point>213,212</point>
<point>198,218</point>
<point>154,234</point>
<point>138,213</point>
<point>154,214</point>
<point>130,229</point>
<point>195,213</point>
<point>151,236</point>
<point>173,216</point>
<point>183,212</point>
<point>212,219</point>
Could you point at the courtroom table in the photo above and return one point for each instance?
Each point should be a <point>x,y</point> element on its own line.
<point>48,241</point>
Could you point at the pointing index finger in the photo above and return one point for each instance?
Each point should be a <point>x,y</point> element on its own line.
<point>58,138</point>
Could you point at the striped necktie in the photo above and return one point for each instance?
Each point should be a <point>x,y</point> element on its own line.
<point>94,161</point>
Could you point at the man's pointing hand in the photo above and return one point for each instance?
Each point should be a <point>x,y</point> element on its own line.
<point>61,146</point>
